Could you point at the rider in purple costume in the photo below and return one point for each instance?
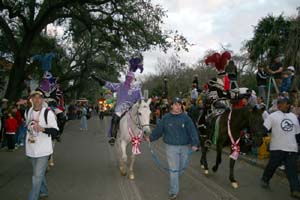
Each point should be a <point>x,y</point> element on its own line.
<point>127,95</point>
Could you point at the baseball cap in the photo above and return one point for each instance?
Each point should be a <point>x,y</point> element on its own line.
<point>176,100</point>
<point>283,100</point>
<point>36,92</point>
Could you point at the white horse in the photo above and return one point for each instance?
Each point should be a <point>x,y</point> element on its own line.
<point>134,124</point>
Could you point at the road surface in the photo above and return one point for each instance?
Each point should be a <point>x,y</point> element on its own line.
<point>86,168</point>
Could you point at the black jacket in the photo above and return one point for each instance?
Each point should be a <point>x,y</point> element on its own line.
<point>261,78</point>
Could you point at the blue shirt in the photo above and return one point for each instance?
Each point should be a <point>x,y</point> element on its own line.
<point>176,130</point>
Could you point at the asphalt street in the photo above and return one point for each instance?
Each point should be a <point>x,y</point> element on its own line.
<point>86,168</point>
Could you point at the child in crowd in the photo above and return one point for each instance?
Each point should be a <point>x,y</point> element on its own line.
<point>287,76</point>
<point>11,127</point>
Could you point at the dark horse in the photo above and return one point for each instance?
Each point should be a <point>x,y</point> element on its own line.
<point>240,119</point>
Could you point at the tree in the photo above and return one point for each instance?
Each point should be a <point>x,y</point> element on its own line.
<point>177,72</point>
<point>128,24</point>
<point>292,53</point>
<point>270,38</point>
<point>292,57</point>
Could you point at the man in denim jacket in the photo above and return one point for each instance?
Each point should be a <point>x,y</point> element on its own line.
<point>178,131</point>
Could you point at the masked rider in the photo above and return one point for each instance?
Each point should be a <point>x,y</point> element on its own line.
<point>127,95</point>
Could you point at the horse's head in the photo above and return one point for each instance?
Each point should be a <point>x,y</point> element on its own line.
<point>255,125</point>
<point>143,115</point>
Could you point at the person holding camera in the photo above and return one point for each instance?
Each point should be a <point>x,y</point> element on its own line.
<point>41,128</point>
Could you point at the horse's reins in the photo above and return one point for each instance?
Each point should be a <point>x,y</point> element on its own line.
<point>136,140</point>
<point>138,121</point>
<point>159,164</point>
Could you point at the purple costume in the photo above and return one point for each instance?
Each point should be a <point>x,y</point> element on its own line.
<point>126,96</point>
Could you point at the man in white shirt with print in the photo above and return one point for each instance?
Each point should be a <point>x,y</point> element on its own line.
<point>284,128</point>
<point>38,142</point>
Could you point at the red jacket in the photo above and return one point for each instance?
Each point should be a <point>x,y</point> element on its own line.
<point>18,117</point>
<point>11,125</point>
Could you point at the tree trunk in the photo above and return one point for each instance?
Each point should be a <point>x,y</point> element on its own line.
<point>17,73</point>
<point>16,78</point>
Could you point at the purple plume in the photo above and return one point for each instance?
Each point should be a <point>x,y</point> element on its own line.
<point>135,64</point>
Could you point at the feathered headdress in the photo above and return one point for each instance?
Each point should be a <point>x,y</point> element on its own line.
<point>218,61</point>
<point>49,86</point>
<point>45,60</point>
<point>136,63</point>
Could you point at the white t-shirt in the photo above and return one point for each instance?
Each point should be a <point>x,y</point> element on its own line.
<point>42,145</point>
<point>265,115</point>
<point>284,128</point>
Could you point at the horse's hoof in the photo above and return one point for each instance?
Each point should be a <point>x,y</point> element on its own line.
<point>202,166</point>
<point>123,172</point>
<point>214,169</point>
<point>206,172</point>
<point>235,185</point>
<point>131,177</point>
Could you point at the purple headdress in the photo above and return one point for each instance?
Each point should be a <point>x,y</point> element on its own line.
<point>48,85</point>
<point>136,63</point>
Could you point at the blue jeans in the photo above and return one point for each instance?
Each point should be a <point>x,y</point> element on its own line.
<point>39,185</point>
<point>177,157</point>
<point>21,133</point>
<point>157,120</point>
<point>262,91</point>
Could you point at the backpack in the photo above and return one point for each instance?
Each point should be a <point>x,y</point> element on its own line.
<point>45,118</point>
<point>45,115</point>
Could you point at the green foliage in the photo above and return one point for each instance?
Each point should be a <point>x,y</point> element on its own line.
<point>179,76</point>
<point>270,38</point>
<point>107,31</point>
<point>292,54</point>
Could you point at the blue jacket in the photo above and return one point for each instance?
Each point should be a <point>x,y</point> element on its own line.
<point>286,84</point>
<point>176,130</point>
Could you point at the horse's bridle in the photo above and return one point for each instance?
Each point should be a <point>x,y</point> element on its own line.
<point>137,121</point>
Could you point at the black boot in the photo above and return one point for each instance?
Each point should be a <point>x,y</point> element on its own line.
<point>114,129</point>
<point>112,141</point>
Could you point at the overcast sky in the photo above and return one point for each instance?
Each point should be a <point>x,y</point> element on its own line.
<point>208,23</point>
